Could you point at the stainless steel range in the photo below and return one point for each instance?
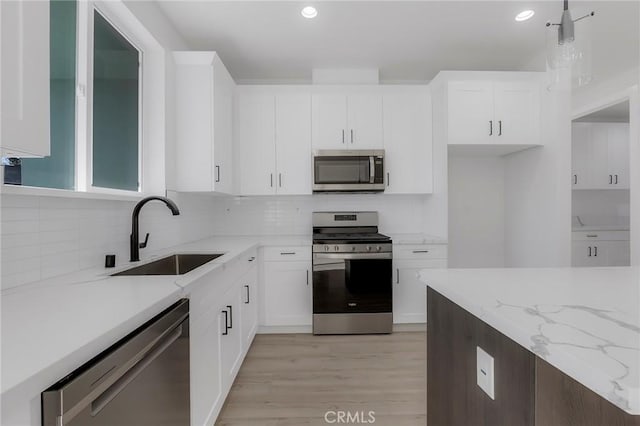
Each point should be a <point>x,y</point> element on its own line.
<point>352,268</point>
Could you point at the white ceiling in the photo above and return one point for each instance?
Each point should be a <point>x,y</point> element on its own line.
<point>263,41</point>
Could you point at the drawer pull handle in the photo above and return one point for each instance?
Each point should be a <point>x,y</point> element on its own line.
<point>226,323</point>
<point>287,253</point>
<point>592,235</point>
<point>421,251</point>
<point>248,299</point>
<point>252,258</point>
<point>230,316</point>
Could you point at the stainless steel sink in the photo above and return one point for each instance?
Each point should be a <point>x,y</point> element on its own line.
<point>176,264</point>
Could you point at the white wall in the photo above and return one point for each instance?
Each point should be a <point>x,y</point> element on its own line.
<point>291,215</point>
<point>476,212</point>
<point>538,192</point>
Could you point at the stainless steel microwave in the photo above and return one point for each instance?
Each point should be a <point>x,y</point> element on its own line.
<point>348,170</point>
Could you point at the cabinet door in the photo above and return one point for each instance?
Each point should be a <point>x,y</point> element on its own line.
<point>206,381</point>
<point>600,178</point>
<point>588,253</point>
<point>516,113</point>
<point>293,143</point>
<point>580,155</point>
<point>409,293</point>
<point>25,78</point>
<point>287,293</point>
<point>329,121</point>
<point>470,112</point>
<point>618,154</point>
<point>223,88</point>
<point>618,253</point>
<point>364,121</point>
<point>194,121</point>
<point>249,294</point>
<point>231,336</point>
<point>256,156</point>
<point>408,143</point>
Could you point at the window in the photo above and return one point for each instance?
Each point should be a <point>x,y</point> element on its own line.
<point>116,90</point>
<point>57,170</point>
<point>108,156</point>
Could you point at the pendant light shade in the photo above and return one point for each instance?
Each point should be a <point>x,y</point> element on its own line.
<point>569,51</point>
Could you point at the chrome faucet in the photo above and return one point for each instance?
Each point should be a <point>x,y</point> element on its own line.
<point>134,240</point>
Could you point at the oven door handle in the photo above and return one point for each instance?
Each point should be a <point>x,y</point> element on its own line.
<point>353,256</point>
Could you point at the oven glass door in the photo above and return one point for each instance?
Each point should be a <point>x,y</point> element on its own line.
<point>342,170</point>
<point>352,283</point>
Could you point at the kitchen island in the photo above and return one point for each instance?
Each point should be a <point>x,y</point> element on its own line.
<point>565,344</point>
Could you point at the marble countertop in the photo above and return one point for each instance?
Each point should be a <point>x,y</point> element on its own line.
<point>51,327</point>
<point>583,321</point>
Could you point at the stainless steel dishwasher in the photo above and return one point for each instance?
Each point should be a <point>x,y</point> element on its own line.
<point>141,380</point>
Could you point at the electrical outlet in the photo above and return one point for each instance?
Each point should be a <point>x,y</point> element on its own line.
<point>484,372</point>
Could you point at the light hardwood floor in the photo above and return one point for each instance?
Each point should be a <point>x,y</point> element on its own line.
<point>294,379</point>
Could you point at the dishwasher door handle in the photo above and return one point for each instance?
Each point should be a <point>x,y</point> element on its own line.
<point>128,376</point>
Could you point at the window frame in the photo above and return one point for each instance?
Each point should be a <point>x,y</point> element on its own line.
<point>86,56</point>
<point>151,107</point>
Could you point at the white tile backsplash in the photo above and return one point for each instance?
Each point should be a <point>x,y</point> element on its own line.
<point>44,237</point>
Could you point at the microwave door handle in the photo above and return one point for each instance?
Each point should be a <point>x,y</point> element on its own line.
<point>372,169</point>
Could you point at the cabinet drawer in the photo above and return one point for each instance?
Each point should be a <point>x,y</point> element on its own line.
<point>287,253</point>
<point>600,236</point>
<point>420,251</point>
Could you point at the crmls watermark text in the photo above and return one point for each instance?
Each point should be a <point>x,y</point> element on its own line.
<point>352,417</point>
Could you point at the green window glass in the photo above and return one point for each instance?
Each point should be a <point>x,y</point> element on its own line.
<point>58,170</point>
<point>115,108</point>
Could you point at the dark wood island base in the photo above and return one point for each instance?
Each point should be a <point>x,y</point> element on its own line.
<point>528,390</point>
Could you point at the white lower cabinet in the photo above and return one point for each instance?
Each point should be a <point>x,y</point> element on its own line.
<point>249,305</point>
<point>608,248</point>
<point>287,289</point>
<point>409,292</point>
<point>600,253</point>
<point>222,327</point>
<point>231,340</point>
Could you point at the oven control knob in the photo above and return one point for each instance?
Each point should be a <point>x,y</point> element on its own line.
<point>336,248</point>
<point>378,248</point>
<point>353,248</point>
<point>326,248</point>
<point>368,248</point>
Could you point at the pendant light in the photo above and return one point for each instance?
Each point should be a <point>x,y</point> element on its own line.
<point>568,51</point>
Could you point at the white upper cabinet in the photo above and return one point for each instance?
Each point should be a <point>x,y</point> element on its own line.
<point>329,121</point>
<point>493,112</point>
<point>618,154</point>
<point>470,112</point>
<point>580,153</point>
<point>600,155</point>
<point>255,137</point>
<point>273,136</point>
<point>25,78</point>
<point>347,120</point>
<point>408,141</point>
<point>364,119</point>
<point>516,109</point>
<point>204,123</point>
<point>293,143</point>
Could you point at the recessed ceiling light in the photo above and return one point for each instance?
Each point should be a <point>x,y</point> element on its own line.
<point>524,15</point>
<point>309,12</point>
